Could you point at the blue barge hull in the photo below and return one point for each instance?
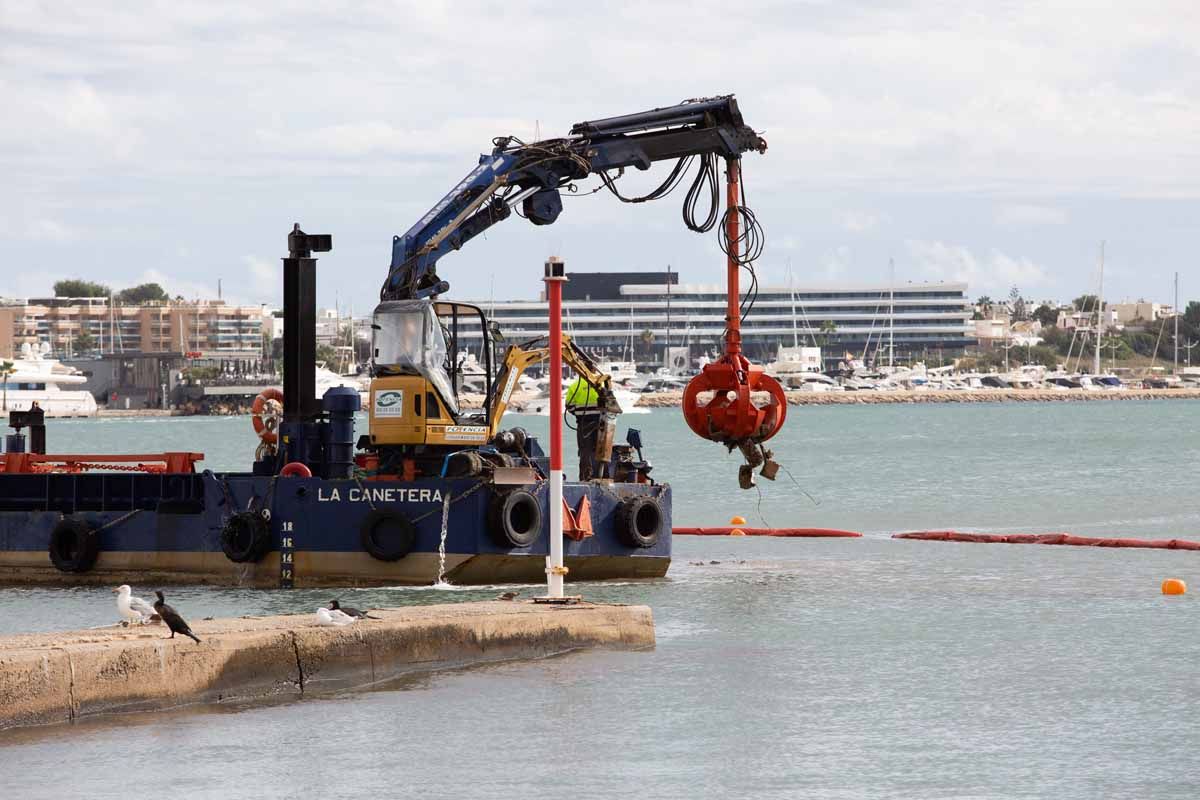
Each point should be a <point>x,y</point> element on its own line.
<point>168,528</point>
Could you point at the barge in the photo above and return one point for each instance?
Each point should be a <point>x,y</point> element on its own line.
<point>462,502</point>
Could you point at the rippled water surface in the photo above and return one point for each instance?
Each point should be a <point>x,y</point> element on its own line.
<point>868,668</point>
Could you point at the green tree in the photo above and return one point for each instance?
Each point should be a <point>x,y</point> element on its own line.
<point>80,288</point>
<point>327,354</point>
<point>1047,315</point>
<point>143,293</point>
<point>1192,314</point>
<point>1086,302</point>
<point>1020,310</point>
<point>647,337</point>
<point>84,342</point>
<point>827,328</point>
<point>6,369</point>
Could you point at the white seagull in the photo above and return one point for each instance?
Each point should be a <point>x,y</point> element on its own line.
<point>133,610</point>
<point>333,619</point>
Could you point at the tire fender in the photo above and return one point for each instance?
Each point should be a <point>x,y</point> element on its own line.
<point>639,521</point>
<point>387,535</point>
<point>74,545</point>
<point>515,518</point>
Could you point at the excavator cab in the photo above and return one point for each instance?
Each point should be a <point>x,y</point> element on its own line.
<point>419,361</point>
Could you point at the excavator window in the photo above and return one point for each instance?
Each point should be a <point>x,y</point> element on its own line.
<point>431,406</point>
<point>417,404</point>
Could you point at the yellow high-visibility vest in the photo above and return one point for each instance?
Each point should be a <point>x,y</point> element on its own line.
<point>581,394</point>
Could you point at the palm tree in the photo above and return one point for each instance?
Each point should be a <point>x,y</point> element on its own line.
<point>6,369</point>
<point>828,328</point>
<point>648,340</point>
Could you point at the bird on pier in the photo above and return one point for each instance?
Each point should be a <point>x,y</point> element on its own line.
<point>176,623</point>
<point>133,610</point>
<point>333,619</point>
<point>334,605</point>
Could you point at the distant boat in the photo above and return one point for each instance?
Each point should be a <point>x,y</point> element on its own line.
<point>37,378</point>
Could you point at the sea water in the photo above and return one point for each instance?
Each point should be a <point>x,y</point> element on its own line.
<point>850,668</point>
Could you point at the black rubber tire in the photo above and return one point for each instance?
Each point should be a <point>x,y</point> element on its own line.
<point>388,535</point>
<point>639,521</point>
<point>464,464</point>
<point>515,518</point>
<point>246,537</point>
<point>74,545</point>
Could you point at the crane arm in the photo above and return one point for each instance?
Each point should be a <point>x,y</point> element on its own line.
<point>519,358</point>
<point>533,174</point>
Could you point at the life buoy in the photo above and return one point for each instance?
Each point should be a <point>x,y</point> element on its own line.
<point>246,537</point>
<point>74,545</point>
<point>265,431</point>
<point>639,521</point>
<point>388,535</point>
<point>295,469</point>
<point>515,518</point>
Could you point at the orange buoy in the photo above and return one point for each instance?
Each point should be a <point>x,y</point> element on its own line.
<point>737,520</point>
<point>1174,586</point>
<point>737,532</point>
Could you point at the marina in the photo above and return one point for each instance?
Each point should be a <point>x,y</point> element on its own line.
<point>415,401</point>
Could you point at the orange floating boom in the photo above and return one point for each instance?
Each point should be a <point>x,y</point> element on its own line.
<point>1048,538</point>
<point>809,533</point>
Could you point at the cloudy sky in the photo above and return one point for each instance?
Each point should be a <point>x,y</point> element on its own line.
<point>996,143</point>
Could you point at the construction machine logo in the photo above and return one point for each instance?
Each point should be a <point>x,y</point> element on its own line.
<point>389,403</point>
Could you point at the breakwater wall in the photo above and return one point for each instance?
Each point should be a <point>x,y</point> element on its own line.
<point>671,399</point>
<point>60,677</point>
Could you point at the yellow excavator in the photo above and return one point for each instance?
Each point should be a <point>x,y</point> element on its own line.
<point>416,420</point>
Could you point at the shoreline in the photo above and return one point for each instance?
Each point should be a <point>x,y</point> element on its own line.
<point>797,398</point>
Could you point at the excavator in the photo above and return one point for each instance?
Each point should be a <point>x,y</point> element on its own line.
<point>416,421</point>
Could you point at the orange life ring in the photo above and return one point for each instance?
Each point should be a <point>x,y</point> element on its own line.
<point>260,406</point>
<point>295,469</point>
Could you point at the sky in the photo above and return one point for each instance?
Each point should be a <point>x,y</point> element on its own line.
<point>994,143</point>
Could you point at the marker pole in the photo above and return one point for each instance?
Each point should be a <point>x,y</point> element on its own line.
<point>555,276</point>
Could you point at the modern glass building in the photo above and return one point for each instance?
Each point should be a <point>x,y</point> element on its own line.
<point>636,315</point>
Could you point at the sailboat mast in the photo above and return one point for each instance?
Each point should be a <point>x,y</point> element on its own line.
<point>892,313</point>
<point>1099,312</point>
<point>792,290</point>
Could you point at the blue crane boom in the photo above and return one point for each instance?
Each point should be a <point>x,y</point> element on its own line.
<point>532,175</point>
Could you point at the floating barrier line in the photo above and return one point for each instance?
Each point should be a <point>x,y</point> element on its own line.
<point>1047,538</point>
<point>728,530</point>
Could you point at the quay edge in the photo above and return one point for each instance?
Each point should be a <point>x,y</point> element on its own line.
<point>62,677</point>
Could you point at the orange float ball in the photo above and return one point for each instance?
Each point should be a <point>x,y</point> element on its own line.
<point>737,532</point>
<point>1174,586</point>
<point>737,521</point>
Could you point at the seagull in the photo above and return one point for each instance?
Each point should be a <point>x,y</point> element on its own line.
<point>334,605</point>
<point>133,610</point>
<point>176,623</point>
<point>333,619</point>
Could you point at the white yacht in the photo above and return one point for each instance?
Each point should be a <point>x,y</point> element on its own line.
<point>37,378</point>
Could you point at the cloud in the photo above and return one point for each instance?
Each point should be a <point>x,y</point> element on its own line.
<point>995,272</point>
<point>859,221</point>
<point>48,230</point>
<point>1017,216</point>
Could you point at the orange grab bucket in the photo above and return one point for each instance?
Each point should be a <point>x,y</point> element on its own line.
<point>731,415</point>
<point>260,406</point>
<point>808,533</point>
<point>1048,538</point>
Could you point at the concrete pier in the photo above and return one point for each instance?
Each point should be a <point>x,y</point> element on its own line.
<point>60,677</point>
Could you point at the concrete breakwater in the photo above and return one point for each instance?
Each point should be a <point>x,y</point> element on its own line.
<point>672,399</point>
<point>60,677</point>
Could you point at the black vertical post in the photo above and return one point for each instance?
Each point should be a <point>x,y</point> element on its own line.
<point>300,325</point>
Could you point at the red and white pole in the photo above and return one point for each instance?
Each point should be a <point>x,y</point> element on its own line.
<point>555,277</point>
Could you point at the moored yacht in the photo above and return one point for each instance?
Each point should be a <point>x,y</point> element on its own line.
<point>37,378</point>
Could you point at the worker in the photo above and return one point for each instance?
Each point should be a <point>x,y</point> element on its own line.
<point>583,403</point>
